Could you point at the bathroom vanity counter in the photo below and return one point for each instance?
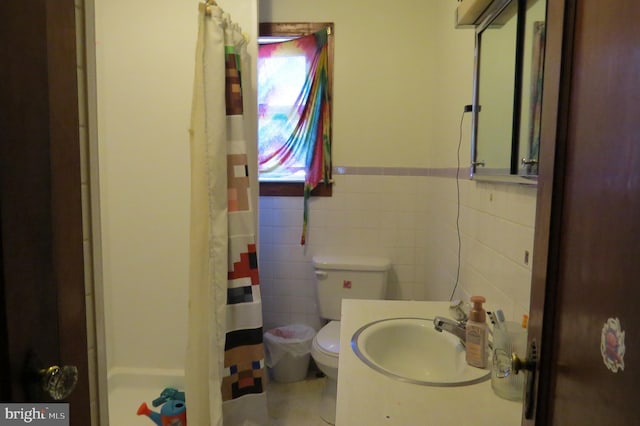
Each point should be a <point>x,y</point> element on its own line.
<point>367,397</point>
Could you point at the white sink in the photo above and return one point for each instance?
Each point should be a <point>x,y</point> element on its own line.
<point>411,350</point>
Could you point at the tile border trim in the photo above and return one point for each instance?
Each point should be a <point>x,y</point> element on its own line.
<point>448,172</point>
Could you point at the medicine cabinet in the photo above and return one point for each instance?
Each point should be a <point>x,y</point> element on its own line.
<point>509,59</point>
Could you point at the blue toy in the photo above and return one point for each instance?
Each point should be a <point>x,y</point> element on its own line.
<point>166,395</point>
<point>172,413</point>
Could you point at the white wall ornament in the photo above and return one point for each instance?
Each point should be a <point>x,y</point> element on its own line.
<point>612,345</point>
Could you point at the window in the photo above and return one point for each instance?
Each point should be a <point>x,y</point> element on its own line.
<point>287,110</point>
<point>281,80</point>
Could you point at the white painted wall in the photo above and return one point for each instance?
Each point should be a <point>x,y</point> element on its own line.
<point>145,54</point>
<point>384,67</point>
<point>144,76</point>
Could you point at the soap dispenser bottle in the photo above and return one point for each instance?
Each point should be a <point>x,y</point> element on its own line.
<point>477,331</point>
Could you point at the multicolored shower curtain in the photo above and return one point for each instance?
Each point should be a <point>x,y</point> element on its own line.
<point>297,135</point>
<point>225,371</point>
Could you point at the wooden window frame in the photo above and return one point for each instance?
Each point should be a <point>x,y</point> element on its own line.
<point>297,29</point>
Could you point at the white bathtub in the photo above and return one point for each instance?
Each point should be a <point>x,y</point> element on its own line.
<point>129,387</point>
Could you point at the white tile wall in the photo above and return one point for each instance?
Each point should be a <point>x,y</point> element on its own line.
<point>412,221</point>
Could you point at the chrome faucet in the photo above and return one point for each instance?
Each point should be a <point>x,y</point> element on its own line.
<point>457,328</point>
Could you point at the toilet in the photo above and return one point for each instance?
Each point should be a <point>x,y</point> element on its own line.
<point>337,278</point>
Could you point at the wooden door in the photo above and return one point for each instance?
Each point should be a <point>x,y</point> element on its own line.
<point>587,248</point>
<point>42,310</point>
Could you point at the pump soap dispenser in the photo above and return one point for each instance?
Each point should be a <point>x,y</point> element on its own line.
<point>476,342</point>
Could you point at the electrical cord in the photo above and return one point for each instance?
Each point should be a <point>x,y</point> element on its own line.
<point>467,108</point>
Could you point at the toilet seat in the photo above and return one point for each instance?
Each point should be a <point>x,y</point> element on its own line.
<point>325,347</point>
<point>329,338</point>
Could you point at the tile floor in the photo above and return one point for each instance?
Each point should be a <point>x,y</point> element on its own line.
<point>289,404</point>
<point>297,403</point>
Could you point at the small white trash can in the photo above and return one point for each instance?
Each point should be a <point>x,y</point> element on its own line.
<point>287,351</point>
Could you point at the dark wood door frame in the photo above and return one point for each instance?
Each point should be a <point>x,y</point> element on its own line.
<point>43,297</point>
<point>556,94</point>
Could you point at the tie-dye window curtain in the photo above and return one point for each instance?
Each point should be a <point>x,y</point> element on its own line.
<point>296,137</point>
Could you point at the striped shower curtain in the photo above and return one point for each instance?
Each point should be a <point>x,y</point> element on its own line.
<point>225,372</point>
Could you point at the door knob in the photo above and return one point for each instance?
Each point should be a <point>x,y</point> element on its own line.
<point>529,366</point>
<point>518,365</point>
<point>59,382</point>
<point>505,365</point>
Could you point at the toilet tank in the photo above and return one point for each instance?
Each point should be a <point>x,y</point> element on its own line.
<point>348,277</point>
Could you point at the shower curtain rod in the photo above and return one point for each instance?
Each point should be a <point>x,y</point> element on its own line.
<point>205,6</point>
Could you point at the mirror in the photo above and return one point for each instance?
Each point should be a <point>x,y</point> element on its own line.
<point>507,91</point>
<point>531,100</point>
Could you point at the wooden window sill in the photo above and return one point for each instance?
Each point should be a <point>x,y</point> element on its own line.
<point>293,189</point>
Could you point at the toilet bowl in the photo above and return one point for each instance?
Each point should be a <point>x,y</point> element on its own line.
<point>324,351</point>
<point>337,278</point>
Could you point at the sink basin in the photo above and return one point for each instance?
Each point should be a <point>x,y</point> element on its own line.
<point>411,350</point>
